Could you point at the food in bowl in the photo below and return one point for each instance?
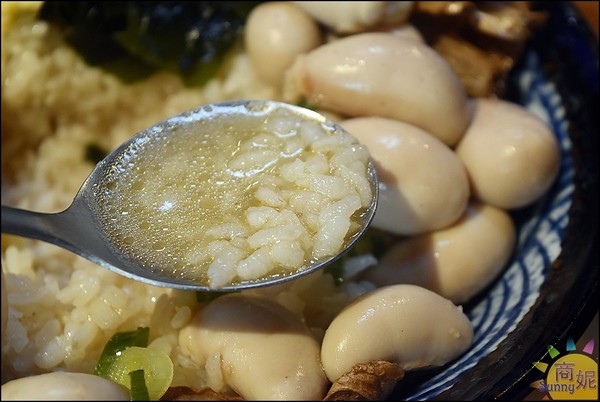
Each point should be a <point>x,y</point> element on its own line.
<point>51,132</point>
<point>252,191</point>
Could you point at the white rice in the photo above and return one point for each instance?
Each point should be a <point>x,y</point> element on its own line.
<point>63,308</point>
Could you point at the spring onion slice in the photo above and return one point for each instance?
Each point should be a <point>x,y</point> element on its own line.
<point>139,390</point>
<point>156,365</point>
<point>127,353</point>
<point>116,344</point>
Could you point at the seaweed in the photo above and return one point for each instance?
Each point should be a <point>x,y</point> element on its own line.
<point>135,39</point>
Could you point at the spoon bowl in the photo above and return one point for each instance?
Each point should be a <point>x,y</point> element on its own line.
<point>84,227</point>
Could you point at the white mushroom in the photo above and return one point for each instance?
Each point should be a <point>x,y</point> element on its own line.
<point>511,155</point>
<point>355,16</point>
<point>423,186</point>
<point>456,262</point>
<point>274,34</point>
<point>403,324</point>
<point>407,31</point>
<point>382,74</point>
<point>257,347</point>
<point>64,386</point>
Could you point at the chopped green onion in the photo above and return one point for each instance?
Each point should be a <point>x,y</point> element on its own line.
<point>306,104</point>
<point>116,344</point>
<point>126,353</point>
<point>156,365</point>
<point>139,390</point>
<point>205,297</point>
<point>374,242</point>
<point>94,153</point>
<point>336,269</point>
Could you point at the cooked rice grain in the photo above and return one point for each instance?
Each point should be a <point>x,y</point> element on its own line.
<point>63,308</point>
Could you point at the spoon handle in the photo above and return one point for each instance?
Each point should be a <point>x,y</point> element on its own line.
<point>37,225</point>
<point>73,229</point>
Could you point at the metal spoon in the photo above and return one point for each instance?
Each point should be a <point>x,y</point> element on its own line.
<point>80,229</point>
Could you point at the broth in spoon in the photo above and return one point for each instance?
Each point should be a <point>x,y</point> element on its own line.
<point>227,196</point>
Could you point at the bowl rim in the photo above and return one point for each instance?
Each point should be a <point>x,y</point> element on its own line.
<point>568,299</point>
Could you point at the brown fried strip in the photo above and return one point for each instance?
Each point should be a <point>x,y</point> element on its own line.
<point>372,381</point>
<point>181,393</point>
<point>480,40</point>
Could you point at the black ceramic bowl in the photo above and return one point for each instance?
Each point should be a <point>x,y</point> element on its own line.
<point>549,292</point>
